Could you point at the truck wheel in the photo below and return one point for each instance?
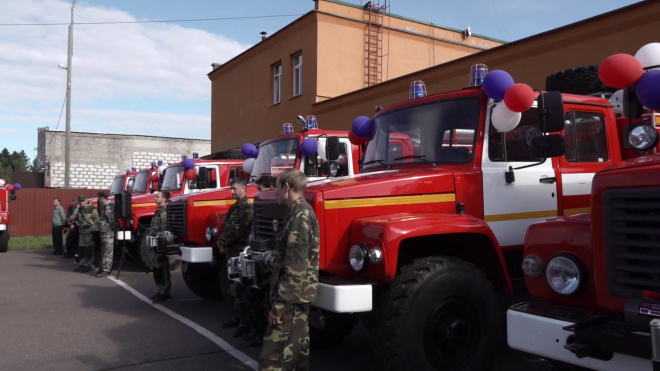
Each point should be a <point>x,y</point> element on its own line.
<point>4,241</point>
<point>438,313</point>
<point>579,80</point>
<point>337,327</point>
<point>202,279</point>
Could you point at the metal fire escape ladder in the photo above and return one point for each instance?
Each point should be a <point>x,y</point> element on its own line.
<point>373,45</point>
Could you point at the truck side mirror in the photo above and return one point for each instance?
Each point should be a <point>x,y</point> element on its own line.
<point>202,178</point>
<point>548,146</point>
<point>551,109</point>
<point>332,148</point>
<point>632,108</point>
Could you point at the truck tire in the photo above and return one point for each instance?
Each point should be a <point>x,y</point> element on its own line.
<point>4,241</point>
<point>337,327</point>
<point>202,279</point>
<point>582,80</point>
<point>438,313</point>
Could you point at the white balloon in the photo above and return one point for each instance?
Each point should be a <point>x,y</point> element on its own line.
<point>504,119</point>
<point>321,152</point>
<point>617,101</point>
<point>649,55</point>
<point>161,168</point>
<point>248,165</point>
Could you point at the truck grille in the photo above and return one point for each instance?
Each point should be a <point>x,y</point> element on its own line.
<point>632,240</point>
<point>176,218</point>
<point>268,219</point>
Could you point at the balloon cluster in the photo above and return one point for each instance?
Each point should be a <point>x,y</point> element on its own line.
<point>499,85</point>
<point>623,70</point>
<point>13,187</point>
<point>362,129</point>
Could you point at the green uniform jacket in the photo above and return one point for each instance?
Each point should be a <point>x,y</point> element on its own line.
<point>159,220</point>
<point>236,227</point>
<point>88,217</point>
<point>296,267</point>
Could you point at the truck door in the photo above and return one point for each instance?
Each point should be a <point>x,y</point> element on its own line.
<point>509,208</point>
<point>587,152</point>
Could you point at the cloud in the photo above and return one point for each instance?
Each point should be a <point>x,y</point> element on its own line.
<point>154,66</point>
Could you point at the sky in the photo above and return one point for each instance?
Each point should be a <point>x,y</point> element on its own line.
<point>151,78</point>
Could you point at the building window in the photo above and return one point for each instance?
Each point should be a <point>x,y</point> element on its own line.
<point>297,74</point>
<point>277,83</point>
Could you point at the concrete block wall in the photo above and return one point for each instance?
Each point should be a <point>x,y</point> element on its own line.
<point>97,158</point>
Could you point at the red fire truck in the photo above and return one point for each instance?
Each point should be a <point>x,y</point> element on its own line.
<point>419,246</point>
<point>210,175</point>
<point>7,194</point>
<point>197,218</point>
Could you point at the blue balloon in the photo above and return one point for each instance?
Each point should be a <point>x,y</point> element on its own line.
<point>362,126</point>
<point>309,146</point>
<point>648,89</point>
<point>249,150</point>
<point>188,164</point>
<point>17,186</point>
<point>496,84</point>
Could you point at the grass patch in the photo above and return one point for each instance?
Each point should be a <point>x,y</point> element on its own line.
<point>31,243</point>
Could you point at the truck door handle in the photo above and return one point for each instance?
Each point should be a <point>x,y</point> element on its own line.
<point>548,180</point>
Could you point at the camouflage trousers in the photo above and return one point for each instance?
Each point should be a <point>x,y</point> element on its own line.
<point>286,346</point>
<point>107,250</point>
<point>86,248</point>
<point>161,270</point>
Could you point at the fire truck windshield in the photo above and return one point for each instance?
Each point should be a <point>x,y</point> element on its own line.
<point>275,157</point>
<point>172,178</point>
<point>436,132</point>
<point>141,182</point>
<point>117,185</point>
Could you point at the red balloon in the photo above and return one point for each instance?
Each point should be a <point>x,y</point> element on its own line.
<point>154,177</point>
<point>620,70</point>
<point>10,187</point>
<point>519,97</point>
<point>191,174</point>
<point>355,139</point>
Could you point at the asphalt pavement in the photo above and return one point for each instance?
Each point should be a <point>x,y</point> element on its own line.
<point>52,318</point>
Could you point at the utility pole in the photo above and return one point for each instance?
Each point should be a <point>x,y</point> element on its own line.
<point>67,135</point>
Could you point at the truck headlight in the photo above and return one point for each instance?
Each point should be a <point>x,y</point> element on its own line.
<point>532,266</point>
<point>564,274</point>
<point>357,257</point>
<point>642,137</point>
<point>208,234</point>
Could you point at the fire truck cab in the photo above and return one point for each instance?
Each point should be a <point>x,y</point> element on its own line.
<point>7,194</point>
<point>197,218</point>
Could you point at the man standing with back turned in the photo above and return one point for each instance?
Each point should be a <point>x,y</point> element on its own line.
<point>108,226</point>
<point>294,279</point>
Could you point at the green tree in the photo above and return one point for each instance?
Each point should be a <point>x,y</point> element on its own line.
<point>15,161</point>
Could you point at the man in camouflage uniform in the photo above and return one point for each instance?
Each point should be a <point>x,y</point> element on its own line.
<point>107,226</point>
<point>235,236</point>
<point>88,218</point>
<point>161,263</point>
<point>294,279</point>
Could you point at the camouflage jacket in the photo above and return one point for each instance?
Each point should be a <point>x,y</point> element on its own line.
<point>296,267</point>
<point>108,222</point>
<point>236,227</point>
<point>159,221</point>
<point>88,217</point>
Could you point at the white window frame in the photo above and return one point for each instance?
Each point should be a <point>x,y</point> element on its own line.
<point>297,74</point>
<point>277,83</point>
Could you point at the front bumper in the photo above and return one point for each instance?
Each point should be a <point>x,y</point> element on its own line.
<point>341,296</point>
<point>195,254</point>
<point>540,329</point>
<point>3,227</point>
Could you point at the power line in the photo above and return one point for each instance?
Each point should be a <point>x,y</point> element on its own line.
<point>156,21</point>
